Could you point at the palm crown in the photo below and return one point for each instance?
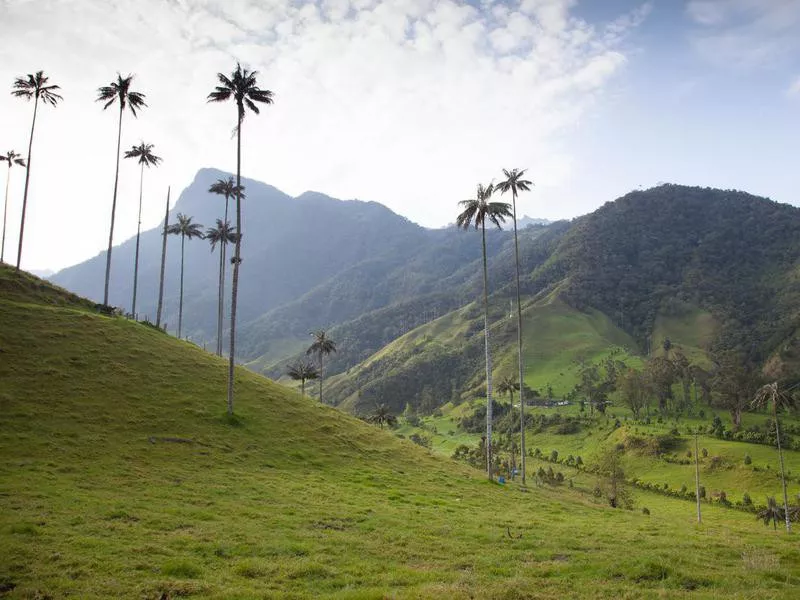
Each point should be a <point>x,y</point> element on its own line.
<point>241,86</point>
<point>302,370</point>
<point>478,209</point>
<point>120,90</point>
<point>223,233</point>
<point>770,395</point>
<point>12,158</point>
<point>322,343</point>
<point>185,227</point>
<point>514,182</point>
<point>35,86</point>
<point>227,188</point>
<point>144,152</point>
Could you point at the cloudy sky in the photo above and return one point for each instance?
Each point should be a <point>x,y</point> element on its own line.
<point>406,102</point>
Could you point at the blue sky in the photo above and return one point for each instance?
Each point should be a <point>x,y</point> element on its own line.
<point>410,103</point>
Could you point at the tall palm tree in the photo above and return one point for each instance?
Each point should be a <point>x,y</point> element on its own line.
<point>515,184</point>
<point>12,158</point>
<point>145,157</point>
<point>186,229</point>
<point>228,189</point>
<point>32,86</point>
<point>303,371</point>
<point>118,91</point>
<point>241,86</point>
<point>222,234</point>
<point>770,395</point>
<point>163,262</point>
<point>322,346</point>
<point>476,211</point>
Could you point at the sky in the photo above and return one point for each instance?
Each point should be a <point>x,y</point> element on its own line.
<point>410,103</point>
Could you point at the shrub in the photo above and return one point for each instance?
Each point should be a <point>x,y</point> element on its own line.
<point>597,492</point>
<point>704,452</point>
<point>554,456</point>
<point>683,489</point>
<point>748,460</point>
<point>579,461</point>
<point>702,491</point>
<point>645,511</point>
<point>560,477</point>
<point>746,500</point>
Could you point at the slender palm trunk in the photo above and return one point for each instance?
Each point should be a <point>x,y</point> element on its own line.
<point>321,375</point>
<point>519,345</point>
<point>163,264</point>
<point>488,358</point>
<point>113,210</point>
<point>697,477</point>
<point>303,387</point>
<point>27,181</point>
<point>236,258</point>
<point>783,475</point>
<point>5,213</point>
<point>219,296</point>
<point>180,303</point>
<point>138,234</point>
<point>222,289</point>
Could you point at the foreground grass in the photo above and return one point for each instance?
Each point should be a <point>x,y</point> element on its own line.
<point>121,477</point>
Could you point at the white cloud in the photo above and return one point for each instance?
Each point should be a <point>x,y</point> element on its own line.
<point>745,33</point>
<point>409,102</point>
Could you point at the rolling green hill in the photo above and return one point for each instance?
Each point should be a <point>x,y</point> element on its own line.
<point>121,477</point>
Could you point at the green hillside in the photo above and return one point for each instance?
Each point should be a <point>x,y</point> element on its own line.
<point>121,477</point>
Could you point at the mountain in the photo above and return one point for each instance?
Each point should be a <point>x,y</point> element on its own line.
<point>527,221</point>
<point>711,270</point>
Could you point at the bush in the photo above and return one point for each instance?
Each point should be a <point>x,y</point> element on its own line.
<point>748,460</point>
<point>597,492</point>
<point>704,452</point>
<point>702,491</point>
<point>645,511</point>
<point>683,489</point>
<point>746,500</point>
<point>554,456</point>
<point>579,461</point>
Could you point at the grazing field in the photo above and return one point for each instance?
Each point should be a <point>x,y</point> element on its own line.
<point>121,476</point>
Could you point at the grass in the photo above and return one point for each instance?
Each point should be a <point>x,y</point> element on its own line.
<point>120,476</point>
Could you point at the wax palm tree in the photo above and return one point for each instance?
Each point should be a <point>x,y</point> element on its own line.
<point>186,229</point>
<point>322,346</point>
<point>242,88</point>
<point>382,416</point>
<point>32,86</point>
<point>303,371</point>
<point>12,158</point>
<point>508,385</point>
<point>515,183</point>
<point>222,234</point>
<point>118,91</point>
<point>228,189</point>
<point>770,395</point>
<point>477,211</point>
<point>772,513</point>
<point>164,234</point>
<point>143,153</point>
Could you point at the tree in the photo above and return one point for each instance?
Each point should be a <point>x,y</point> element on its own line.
<point>12,158</point>
<point>228,189</point>
<point>508,385</point>
<point>382,416</point>
<point>32,86</point>
<point>610,464</point>
<point>222,234</point>
<point>477,210</point>
<point>515,183</point>
<point>774,513</point>
<point>145,157</point>
<point>660,373</point>
<point>186,229</point>
<point>118,91</point>
<point>322,346</point>
<point>302,371</point>
<point>735,382</point>
<point>633,388</point>
<point>241,86</point>
<point>770,395</point>
<point>163,262</point>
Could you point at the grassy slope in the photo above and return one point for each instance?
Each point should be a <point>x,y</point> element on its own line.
<point>293,499</point>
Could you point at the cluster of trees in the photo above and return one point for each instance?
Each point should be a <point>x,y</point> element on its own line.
<point>302,370</point>
<point>242,88</point>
